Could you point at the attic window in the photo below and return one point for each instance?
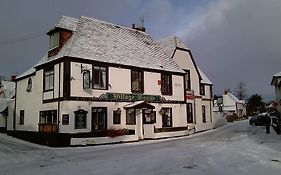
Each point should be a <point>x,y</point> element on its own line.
<point>29,85</point>
<point>54,40</point>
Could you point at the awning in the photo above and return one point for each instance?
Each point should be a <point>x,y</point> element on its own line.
<point>4,103</point>
<point>139,105</point>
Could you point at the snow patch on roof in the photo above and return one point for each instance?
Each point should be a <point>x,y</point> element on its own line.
<point>170,44</point>
<point>205,79</point>
<point>110,43</point>
<point>66,22</point>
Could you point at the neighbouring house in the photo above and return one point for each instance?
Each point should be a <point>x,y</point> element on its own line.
<point>229,105</point>
<point>198,87</point>
<point>276,82</point>
<point>276,118</point>
<point>7,102</point>
<point>100,79</point>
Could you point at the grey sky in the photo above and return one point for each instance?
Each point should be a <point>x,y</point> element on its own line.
<point>231,40</point>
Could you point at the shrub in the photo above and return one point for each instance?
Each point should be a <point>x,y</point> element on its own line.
<point>116,132</point>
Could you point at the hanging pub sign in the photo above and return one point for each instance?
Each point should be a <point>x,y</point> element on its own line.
<point>190,95</point>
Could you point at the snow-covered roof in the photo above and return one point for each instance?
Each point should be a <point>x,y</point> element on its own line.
<point>110,43</point>
<point>26,73</point>
<point>4,103</point>
<point>234,97</point>
<point>277,75</point>
<point>9,89</point>
<point>205,79</point>
<point>276,80</point>
<point>170,44</point>
<point>66,22</point>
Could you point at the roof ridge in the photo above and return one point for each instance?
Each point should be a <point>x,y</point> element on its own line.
<point>116,25</point>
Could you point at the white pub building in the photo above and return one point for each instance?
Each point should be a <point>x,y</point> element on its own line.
<point>101,83</point>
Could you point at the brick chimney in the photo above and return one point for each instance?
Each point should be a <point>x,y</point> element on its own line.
<point>13,77</point>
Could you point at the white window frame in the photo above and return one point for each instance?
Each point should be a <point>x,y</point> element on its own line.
<point>54,40</point>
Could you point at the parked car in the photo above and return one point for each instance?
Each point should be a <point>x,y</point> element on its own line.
<point>257,120</point>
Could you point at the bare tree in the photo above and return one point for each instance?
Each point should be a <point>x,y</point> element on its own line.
<point>240,91</point>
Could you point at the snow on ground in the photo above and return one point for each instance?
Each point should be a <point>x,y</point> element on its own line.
<point>233,149</point>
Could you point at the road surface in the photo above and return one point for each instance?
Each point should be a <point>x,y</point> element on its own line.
<point>236,148</point>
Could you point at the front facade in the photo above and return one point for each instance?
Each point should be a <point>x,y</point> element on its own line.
<point>100,79</point>
<point>198,87</point>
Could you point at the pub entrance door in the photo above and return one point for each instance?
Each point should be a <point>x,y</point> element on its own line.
<point>99,118</point>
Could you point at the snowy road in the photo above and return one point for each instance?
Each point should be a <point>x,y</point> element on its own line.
<point>233,149</point>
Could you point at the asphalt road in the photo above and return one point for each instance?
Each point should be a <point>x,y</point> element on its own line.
<point>233,149</point>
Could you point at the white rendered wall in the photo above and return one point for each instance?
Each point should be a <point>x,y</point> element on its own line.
<point>183,59</point>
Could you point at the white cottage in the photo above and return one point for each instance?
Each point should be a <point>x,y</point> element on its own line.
<point>7,94</point>
<point>229,104</point>
<point>198,87</point>
<point>98,80</point>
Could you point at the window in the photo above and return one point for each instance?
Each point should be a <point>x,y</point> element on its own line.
<point>137,81</point>
<point>130,117</point>
<point>65,119</point>
<point>80,119</point>
<point>166,117</point>
<point>21,117</point>
<point>166,84</point>
<point>202,89</point>
<point>29,85</point>
<point>100,77</point>
<point>189,113</point>
<point>117,117</point>
<point>187,80</point>
<point>86,79</point>
<point>49,79</point>
<point>49,116</point>
<point>149,116</point>
<point>54,40</point>
<point>203,114</point>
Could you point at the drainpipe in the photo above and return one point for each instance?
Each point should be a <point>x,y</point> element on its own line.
<point>59,97</point>
<point>15,109</point>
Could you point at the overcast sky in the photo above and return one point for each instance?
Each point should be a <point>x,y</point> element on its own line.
<point>231,40</point>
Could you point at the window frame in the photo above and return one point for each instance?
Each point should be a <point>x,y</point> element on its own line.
<point>140,82</point>
<point>46,77</point>
<point>100,77</point>
<point>21,117</point>
<point>133,120</point>
<point>204,114</point>
<point>165,125</point>
<point>116,117</point>
<point>166,87</point>
<point>55,35</point>
<point>86,81</point>
<point>48,115</point>
<point>189,110</point>
<point>187,80</point>
<point>202,89</point>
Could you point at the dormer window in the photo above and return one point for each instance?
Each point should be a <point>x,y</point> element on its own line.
<point>54,40</point>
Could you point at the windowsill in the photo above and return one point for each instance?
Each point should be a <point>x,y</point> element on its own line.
<point>99,89</point>
<point>130,124</point>
<point>48,90</point>
<point>53,48</point>
<point>137,92</point>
